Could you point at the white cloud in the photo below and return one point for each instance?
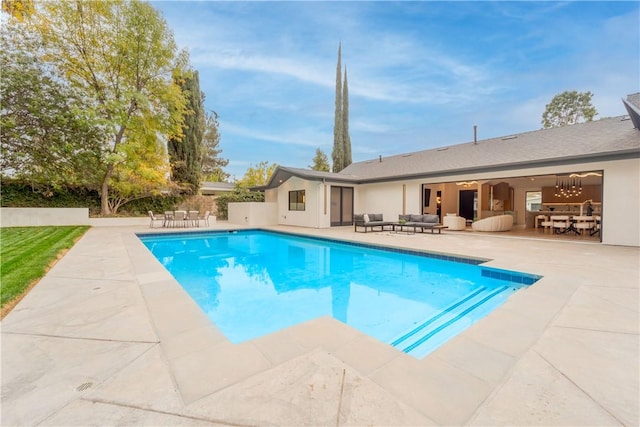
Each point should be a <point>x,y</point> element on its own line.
<point>304,137</point>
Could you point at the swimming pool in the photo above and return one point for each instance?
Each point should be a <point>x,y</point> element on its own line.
<point>254,282</point>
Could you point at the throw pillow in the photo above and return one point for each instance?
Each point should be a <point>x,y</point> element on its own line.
<point>366,217</point>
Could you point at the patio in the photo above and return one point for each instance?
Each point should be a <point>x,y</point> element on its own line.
<point>108,337</point>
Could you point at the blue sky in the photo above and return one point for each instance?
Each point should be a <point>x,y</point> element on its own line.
<point>421,74</point>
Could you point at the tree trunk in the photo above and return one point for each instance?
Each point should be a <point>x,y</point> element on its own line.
<point>104,192</point>
<point>104,188</point>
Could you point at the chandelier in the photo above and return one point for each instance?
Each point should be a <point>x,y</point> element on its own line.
<point>567,186</point>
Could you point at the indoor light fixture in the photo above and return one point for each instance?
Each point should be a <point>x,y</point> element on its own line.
<point>567,186</point>
<point>467,184</point>
<point>584,175</point>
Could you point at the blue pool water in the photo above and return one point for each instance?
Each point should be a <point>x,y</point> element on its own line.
<point>251,283</point>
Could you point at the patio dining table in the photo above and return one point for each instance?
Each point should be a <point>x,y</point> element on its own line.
<point>181,218</point>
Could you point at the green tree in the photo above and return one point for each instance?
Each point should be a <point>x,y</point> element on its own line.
<point>258,175</point>
<point>186,149</point>
<point>142,168</point>
<point>346,139</point>
<point>19,9</point>
<point>212,163</point>
<point>120,57</point>
<point>320,161</point>
<point>568,108</point>
<point>337,155</point>
<point>48,135</point>
<point>341,153</point>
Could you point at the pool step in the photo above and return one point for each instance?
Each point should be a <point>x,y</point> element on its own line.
<point>447,323</point>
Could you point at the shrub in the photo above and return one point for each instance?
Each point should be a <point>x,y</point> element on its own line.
<point>20,194</point>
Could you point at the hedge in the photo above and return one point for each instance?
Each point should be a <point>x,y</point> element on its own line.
<point>18,194</point>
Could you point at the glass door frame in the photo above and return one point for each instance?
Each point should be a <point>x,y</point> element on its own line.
<point>340,206</point>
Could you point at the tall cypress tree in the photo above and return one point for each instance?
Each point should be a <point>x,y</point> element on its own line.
<point>185,151</point>
<point>338,145</point>
<point>346,139</point>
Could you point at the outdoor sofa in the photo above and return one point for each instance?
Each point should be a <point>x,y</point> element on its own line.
<point>421,222</point>
<point>370,221</point>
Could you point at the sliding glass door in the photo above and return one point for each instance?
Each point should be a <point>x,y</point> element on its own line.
<point>341,206</point>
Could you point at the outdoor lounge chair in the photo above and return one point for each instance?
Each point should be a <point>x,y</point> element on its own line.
<point>155,219</point>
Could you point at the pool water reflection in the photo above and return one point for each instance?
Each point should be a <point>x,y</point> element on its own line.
<point>252,283</point>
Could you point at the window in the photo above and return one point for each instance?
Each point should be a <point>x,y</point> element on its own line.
<point>534,200</point>
<point>296,200</point>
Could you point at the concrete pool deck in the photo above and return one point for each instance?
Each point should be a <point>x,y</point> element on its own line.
<point>109,338</point>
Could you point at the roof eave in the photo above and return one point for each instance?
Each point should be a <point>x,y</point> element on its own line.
<point>285,173</point>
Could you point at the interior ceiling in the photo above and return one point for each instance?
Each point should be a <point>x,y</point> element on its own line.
<point>543,180</point>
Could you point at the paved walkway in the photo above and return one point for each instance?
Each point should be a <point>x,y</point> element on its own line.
<point>109,338</point>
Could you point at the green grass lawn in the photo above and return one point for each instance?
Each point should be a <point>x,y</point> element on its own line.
<point>26,253</point>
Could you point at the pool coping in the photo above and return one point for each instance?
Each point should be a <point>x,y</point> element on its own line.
<point>459,383</point>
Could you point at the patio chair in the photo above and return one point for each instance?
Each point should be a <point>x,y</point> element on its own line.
<point>155,219</point>
<point>205,218</point>
<point>193,219</point>
<point>180,218</point>
<point>168,219</point>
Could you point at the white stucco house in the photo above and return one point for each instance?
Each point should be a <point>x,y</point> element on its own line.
<point>520,174</point>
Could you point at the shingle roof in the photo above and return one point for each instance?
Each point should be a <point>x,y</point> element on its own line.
<point>596,139</point>
<point>634,98</point>
<point>601,138</point>
<point>632,104</point>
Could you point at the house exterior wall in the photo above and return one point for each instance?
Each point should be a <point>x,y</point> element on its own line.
<point>313,215</point>
<point>384,198</point>
<point>621,203</point>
